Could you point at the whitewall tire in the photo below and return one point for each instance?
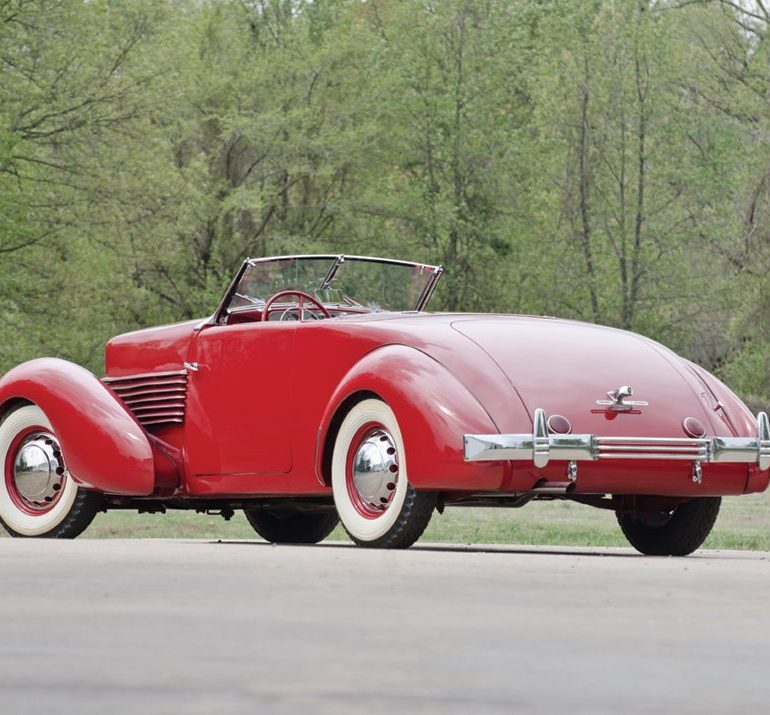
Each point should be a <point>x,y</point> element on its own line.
<point>38,497</point>
<point>375,502</point>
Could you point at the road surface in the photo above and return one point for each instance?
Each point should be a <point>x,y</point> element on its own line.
<point>187,627</point>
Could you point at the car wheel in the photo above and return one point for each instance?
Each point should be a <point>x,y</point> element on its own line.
<point>376,504</point>
<point>38,497</point>
<point>671,533</point>
<point>291,527</point>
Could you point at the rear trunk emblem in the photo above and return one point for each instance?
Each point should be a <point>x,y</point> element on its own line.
<point>618,401</point>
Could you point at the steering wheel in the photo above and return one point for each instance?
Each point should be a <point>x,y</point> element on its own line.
<point>301,307</point>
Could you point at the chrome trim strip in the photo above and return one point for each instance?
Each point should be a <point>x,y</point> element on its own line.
<point>153,396</point>
<point>656,440</point>
<point>136,388</point>
<point>645,448</point>
<point>165,420</point>
<point>163,407</point>
<point>335,256</point>
<point>139,395</point>
<point>144,376</point>
<point>541,447</point>
<point>660,455</point>
<point>763,423</point>
<point>541,444</point>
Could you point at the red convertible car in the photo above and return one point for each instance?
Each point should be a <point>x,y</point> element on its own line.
<point>321,391</point>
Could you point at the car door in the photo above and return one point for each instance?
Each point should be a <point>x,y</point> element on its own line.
<point>239,399</point>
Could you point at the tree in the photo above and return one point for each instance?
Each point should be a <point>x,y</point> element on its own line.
<point>448,176</point>
<point>640,170</point>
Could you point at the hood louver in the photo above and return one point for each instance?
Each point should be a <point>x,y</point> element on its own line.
<point>153,398</point>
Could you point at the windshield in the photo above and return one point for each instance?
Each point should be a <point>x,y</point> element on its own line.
<point>370,284</point>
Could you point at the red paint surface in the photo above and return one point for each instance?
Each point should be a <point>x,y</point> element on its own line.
<point>240,401</point>
<point>266,394</point>
<point>161,349</point>
<point>104,447</point>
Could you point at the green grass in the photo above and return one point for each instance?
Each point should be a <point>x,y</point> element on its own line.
<point>744,523</point>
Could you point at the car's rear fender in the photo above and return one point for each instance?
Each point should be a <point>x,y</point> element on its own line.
<point>737,417</point>
<point>433,408</point>
<point>104,447</point>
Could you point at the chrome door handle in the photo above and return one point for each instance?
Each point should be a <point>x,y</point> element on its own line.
<point>192,366</point>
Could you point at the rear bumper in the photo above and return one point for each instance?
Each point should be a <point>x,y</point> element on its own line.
<point>540,447</point>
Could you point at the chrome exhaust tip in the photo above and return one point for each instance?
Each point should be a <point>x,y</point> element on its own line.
<point>545,487</point>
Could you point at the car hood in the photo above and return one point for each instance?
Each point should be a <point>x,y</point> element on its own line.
<point>163,348</point>
<point>565,367</point>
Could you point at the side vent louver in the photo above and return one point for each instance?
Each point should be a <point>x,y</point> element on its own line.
<point>154,398</point>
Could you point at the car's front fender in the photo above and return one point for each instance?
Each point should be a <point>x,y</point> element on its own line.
<point>432,408</point>
<point>105,448</point>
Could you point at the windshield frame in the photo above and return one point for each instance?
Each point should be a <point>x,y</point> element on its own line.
<point>335,261</point>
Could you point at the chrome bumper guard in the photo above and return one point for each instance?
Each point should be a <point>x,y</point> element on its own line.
<point>540,446</point>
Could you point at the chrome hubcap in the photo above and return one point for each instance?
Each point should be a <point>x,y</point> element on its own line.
<point>39,471</point>
<point>375,469</point>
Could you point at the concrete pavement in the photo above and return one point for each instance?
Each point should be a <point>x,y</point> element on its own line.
<point>179,626</point>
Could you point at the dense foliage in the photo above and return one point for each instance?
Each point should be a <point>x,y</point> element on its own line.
<point>603,159</point>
